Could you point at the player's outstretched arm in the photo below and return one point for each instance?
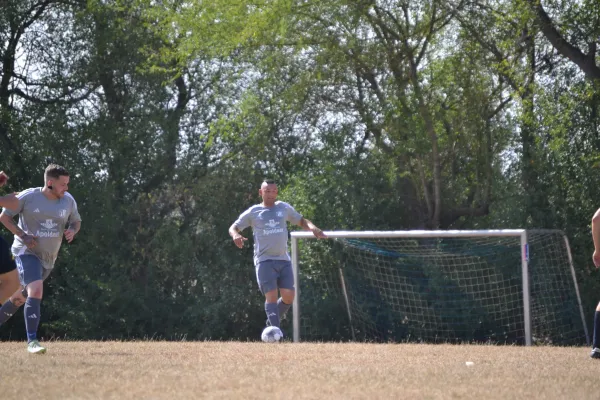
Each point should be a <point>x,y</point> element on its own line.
<point>9,223</point>
<point>596,237</point>
<point>3,178</point>
<point>9,201</point>
<point>309,226</point>
<point>70,233</point>
<point>237,237</point>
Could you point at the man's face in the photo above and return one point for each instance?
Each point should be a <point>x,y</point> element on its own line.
<point>268,192</point>
<point>59,186</point>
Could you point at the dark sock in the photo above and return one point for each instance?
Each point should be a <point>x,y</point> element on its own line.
<point>32,317</point>
<point>272,313</point>
<point>283,307</point>
<point>596,341</point>
<point>7,310</point>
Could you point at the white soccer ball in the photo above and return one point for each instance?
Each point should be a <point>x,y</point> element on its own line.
<point>271,334</point>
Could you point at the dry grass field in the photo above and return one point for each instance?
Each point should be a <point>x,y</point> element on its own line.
<point>235,370</point>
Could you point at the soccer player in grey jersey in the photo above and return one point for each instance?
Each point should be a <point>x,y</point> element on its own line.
<point>271,259</point>
<point>43,215</point>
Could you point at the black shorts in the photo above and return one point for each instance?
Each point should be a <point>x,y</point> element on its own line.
<point>7,261</point>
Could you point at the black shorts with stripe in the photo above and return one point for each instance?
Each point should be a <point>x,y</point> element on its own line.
<point>7,261</point>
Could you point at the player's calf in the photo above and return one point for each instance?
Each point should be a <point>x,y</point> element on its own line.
<point>272,314</point>
<point>285,301</point>
<point>32,309</point>
<point>32,317</point>
<point>11,306</point>
<point>269,288</point>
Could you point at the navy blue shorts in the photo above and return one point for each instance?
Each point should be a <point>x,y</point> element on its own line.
<point>273,274</point>
<point>30,269</point>
<point>7,261</point>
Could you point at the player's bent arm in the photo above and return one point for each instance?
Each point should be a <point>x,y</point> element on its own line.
<point>234,231</point>
<point>3,178</point>
<point>9,223</point>
<point>75,226</point>
<point>238,239</point>
<point>596,230</point>
<point>309,226</point>
<point>9,201</point>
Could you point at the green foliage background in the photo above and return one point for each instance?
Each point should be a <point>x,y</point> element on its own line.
<point>370,114</point>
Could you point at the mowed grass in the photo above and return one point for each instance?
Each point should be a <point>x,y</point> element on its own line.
<point>193,370</point>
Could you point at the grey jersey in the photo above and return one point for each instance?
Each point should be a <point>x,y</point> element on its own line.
<point>269,229</point>
<point>45,219</point>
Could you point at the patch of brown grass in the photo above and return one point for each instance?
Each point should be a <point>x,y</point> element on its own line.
<point>178,370</point>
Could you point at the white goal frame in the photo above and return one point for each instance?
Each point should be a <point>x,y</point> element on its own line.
<point>521,233</point>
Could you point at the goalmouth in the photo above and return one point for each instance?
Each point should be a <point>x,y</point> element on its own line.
<point>498,286</point>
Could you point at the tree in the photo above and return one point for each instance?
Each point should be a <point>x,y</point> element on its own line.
<point>33,75</point>
<point>574,34</point>
<point>375,63</point>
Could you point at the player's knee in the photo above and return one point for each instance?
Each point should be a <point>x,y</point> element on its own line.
<point>36,294</point>
<point>35,289</point>
<point>287,295</point>
<point>18,299</point>
<point>271,296</point>
<point>288,298</point>
<point>8,284</point>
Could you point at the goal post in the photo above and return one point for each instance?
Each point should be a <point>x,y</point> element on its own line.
<point>427,284</point>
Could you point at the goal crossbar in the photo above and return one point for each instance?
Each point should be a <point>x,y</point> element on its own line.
<point>410,234</point>
<point>520,233</point>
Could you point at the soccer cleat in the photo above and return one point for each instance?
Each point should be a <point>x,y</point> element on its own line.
<point>34,347</point>
<point>595,353</point>
<point>284,337</point>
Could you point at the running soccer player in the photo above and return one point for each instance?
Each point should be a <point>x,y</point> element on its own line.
<point>9,278</point>
<point>271,258</point>
<point>44,213</point>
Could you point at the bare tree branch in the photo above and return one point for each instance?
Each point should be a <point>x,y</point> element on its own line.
<point>65,99</point>
<point>585,62</point>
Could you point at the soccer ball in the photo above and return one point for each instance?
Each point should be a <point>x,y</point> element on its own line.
<point>271,334</point>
